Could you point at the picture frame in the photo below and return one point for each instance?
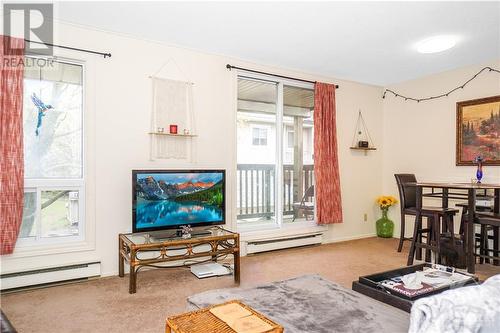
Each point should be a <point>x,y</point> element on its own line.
<point>478,131</point>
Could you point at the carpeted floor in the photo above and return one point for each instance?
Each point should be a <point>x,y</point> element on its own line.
<point>312,304</point>
<point>104,305</point>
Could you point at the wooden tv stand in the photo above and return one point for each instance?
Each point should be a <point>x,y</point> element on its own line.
<point>135,247</point>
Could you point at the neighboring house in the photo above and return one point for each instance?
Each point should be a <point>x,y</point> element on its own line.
<point>257,140</point>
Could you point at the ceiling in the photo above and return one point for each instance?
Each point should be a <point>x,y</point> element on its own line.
<point>370,42</point>
<point>265,92</point>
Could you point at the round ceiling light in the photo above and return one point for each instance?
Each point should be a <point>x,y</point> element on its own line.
<point>436,44</point>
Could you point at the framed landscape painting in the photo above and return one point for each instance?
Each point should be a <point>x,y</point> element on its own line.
<point>478,131</point>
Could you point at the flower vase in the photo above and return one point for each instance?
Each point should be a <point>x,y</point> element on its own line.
<point>479,172</point>
<point>384,225</point>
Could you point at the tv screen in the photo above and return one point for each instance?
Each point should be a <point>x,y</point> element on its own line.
<point>166,199</point>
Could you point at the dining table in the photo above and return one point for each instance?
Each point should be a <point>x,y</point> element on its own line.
<point>460,191</point>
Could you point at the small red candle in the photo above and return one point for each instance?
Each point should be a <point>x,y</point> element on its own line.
<point>173,129</point>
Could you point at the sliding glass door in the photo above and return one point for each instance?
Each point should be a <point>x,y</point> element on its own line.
<point>256,152</point>
<point>274,153</point>
<point>298,152</point>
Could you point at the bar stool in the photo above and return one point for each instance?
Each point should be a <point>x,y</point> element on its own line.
<point>485,231</point>
<point>436,217</point>
<point>408,204</point>
<point>493,221</point>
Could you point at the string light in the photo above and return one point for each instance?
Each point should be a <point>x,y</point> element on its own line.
<point>418,100</point>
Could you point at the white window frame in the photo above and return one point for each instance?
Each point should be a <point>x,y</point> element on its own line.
<point>278,182</point>
<point>260,129</point>
<point>288,141</point>
<point>55,184</point>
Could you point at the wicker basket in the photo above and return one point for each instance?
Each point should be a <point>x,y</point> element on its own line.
<point>203,321</point>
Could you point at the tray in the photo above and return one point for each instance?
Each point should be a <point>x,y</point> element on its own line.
<point>374,280</point>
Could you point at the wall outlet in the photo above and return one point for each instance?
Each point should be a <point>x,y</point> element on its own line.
<point>365,217</point>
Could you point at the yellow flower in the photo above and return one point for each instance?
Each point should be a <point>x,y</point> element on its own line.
<point>385,201</point>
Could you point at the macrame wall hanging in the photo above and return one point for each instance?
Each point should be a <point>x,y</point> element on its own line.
<point>361,139</point>
<point>172,119</point>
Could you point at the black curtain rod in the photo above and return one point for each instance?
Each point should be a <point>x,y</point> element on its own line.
<point>105,55</point>
<point>228,66</point>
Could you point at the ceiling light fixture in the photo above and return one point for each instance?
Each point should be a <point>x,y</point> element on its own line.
<point>436,44</point>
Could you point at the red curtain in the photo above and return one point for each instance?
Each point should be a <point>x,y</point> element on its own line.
<point>326,164</point>
<point>11,141</point>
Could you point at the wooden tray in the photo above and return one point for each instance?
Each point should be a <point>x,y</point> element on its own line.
<point>369,285</point>
<point>374,279</point>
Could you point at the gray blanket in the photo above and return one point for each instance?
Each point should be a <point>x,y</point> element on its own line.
<point>312,304</point>
<point>474,309</point>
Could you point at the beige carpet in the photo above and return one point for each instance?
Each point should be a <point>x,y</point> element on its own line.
<point>104,305</point>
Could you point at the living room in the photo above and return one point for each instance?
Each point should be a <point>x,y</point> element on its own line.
<point>247,78</point>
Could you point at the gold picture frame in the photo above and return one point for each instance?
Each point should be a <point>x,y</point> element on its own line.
<point>478,131</point>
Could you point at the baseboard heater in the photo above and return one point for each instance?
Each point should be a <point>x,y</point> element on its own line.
<point>283,243</point>
<point>47,276</point>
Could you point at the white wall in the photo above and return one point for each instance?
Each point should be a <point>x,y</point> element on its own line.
<point>118,117</point>
<point>420,137</point>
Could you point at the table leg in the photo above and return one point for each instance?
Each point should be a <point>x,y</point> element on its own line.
<point>417,226</point>
<point>133,280</point>
<point>132,287</point>
<point>237,267</point>
<point>444,203</point>
<point>496,210</point>
<point>471,259</point>
<point>496,206</point>
<point>496,241</point>
<point>236,256</point>
<point>121,272</point>
<point>418,252</point>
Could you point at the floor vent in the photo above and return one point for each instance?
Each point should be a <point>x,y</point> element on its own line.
<point>283,243</point>
<point>49,276</point>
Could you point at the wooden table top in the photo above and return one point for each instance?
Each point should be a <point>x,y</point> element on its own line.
<point>464,186</point>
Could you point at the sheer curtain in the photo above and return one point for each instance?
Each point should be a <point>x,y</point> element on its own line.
<point>11,141</point>
<point>326,165</point>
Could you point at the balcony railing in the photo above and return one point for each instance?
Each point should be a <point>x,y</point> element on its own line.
<point>256,193</point>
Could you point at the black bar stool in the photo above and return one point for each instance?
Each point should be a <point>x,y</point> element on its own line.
<point>485,231</point>
<point>489,220</point>
<point>434,216</point>
<point>437,218</point>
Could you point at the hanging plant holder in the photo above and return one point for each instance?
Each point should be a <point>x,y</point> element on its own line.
<point>361,139</point>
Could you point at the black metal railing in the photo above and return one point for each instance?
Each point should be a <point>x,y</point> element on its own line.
<point>255,194</point>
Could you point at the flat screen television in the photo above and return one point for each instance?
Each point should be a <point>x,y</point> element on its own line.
<point>169,199</point>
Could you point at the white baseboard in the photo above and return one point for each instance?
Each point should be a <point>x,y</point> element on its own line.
<point>52,275</point>
<point>348,238</point>
<point>108,274</point>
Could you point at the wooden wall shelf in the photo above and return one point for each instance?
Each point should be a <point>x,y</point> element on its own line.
<point>169,134</point>
<point>364,148</point>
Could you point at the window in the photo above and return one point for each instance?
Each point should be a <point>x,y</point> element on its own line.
<point>256,174</point>
<point>290,139</point>
<point>53,152</point>
<point>259,136</point>
<point>274,185</point>
<point>298,164</point>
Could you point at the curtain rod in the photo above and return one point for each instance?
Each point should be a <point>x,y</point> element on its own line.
<point>228,66</point>
<point>105,55</point>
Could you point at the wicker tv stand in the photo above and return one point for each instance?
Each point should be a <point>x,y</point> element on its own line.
<point>144,250</point>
